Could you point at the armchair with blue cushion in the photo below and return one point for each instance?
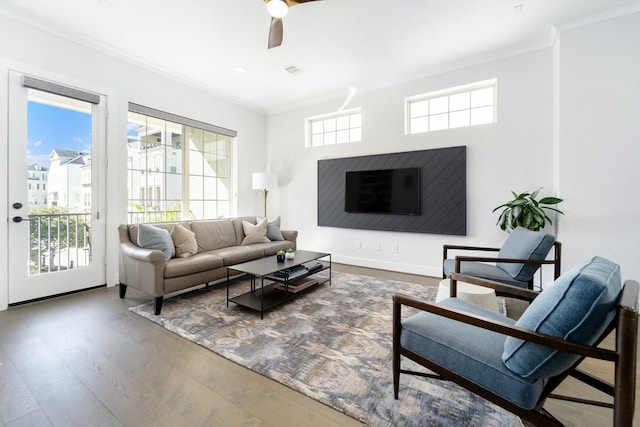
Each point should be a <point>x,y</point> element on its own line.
<point>516,263</point>
<point>518,364</point>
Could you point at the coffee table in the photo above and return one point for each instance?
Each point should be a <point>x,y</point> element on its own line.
<point>277,275</point>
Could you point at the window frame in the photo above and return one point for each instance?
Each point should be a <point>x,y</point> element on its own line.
<point>310,121</point>
<point>412,101</point>
<point>163,133</point>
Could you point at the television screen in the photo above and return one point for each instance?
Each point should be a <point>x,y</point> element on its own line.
<point>387,191</point>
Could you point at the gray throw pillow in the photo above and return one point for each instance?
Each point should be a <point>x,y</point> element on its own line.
<point>151,237</point>
<point>273,228</point>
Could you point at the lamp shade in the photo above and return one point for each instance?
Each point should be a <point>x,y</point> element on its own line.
<point>264,181</point>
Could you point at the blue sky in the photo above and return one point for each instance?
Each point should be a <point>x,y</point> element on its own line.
<point>52,127</point>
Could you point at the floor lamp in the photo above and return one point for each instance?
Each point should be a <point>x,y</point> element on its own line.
<point>264,181</point>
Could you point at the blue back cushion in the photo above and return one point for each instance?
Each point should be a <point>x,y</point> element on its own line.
<point>151,237</point>
<point>524,244</point>
<point>578,307</point>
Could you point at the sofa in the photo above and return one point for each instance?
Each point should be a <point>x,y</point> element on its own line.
<point>162,258</point>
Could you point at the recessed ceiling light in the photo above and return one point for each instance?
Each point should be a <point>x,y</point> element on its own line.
<point>241,69</point>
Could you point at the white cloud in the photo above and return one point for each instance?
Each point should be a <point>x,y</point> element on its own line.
<point>37,143</point>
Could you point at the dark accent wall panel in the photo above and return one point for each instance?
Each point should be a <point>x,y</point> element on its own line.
<point>443,185</point>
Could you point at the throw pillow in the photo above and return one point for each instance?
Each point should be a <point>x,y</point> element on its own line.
<point>578,307</point>
<point>273,228</point>
<point>151,237</point>
<point>255,233</point>
<point>184,241</point>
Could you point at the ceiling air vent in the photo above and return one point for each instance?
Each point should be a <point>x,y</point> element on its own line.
<point>293,69</point>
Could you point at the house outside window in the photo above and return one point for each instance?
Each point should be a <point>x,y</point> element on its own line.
<point>178,168</point>
<point>335,128</point>
<point>461,106</point>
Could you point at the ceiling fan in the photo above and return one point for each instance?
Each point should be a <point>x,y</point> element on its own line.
<point>278,9</point>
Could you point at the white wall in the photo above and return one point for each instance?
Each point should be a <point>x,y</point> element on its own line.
<point>59,59</point>
<point>599,142</point>
<point>514,153</point>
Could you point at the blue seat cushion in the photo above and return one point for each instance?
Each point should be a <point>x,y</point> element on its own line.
<point>471,352</point>
<point>524,244</point>
<point>482,270</point>
<point>578,307</point>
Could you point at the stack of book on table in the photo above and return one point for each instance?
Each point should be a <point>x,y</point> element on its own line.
<point>296,286</point>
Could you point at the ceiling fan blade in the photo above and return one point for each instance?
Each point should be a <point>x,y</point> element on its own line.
<point>294,2</point>
<point>275,33</point>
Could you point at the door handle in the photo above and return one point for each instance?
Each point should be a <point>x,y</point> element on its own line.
<point>19,219</point>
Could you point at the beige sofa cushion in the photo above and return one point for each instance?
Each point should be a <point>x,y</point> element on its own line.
<point>237,254</point>
<point>212,235</point>
<point>255,233</point>
<point>177,267</point>
<point>184,241</point>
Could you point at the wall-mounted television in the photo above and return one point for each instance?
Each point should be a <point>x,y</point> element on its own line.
<point>385,191</point>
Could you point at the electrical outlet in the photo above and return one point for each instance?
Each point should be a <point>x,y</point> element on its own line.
<point>358,244</point>
<point>394,248</point>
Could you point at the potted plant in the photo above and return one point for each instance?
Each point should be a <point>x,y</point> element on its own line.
<point>280,256</point>
<point>289,254</point>
<point>525,210</point>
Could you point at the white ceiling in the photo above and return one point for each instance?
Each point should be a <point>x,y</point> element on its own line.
<point>338,44</point>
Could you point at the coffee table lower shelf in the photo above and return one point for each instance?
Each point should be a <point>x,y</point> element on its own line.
<point>266,297</point>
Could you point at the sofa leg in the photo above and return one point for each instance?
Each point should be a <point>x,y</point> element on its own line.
<point>157,305</point>
<point>123,290</point>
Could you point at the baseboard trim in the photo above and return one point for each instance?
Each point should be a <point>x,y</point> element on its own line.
<point>64,294</point>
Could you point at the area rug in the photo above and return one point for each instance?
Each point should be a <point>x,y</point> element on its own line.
<point>332,343</point>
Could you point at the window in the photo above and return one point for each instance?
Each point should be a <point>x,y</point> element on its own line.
<point>178,168</point>
<point>468,105</point>
<point>331,129</point>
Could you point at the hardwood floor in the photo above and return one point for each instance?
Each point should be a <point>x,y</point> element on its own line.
<point>85,360</point>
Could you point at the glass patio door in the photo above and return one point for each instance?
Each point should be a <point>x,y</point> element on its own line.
<point>56,230</point>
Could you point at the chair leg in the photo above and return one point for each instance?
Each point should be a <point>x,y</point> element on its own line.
<point>123,290</point>
<point>396,349</point>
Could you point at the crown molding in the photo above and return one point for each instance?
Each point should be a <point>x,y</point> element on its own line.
<point>629,8</point>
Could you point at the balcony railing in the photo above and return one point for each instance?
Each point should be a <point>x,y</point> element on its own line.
<point>59,242</point>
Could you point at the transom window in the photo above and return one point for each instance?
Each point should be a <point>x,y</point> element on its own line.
<point>336,128</point>
<point>178,168</point>
<point>461,106</point>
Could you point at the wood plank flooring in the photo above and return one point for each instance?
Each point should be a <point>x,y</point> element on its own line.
<point>85,360</point>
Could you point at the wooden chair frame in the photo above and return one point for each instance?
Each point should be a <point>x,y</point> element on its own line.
<point>556,261</point>
<point>625,325</point>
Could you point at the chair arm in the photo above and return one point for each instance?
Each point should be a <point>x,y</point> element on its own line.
<point>500,288</point>
<point>446,248</point>
<point>505,260</point>
<point>501,328</point>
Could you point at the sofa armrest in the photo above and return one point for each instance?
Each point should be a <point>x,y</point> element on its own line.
<point>292,236</point>
<point>142,268</point>
<point>153,256</point>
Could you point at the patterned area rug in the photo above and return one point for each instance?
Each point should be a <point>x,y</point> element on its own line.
<point>332,343</point>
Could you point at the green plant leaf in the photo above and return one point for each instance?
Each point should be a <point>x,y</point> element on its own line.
<point>534,195</point>
<point>550,201</point>
<point>553,209</point>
